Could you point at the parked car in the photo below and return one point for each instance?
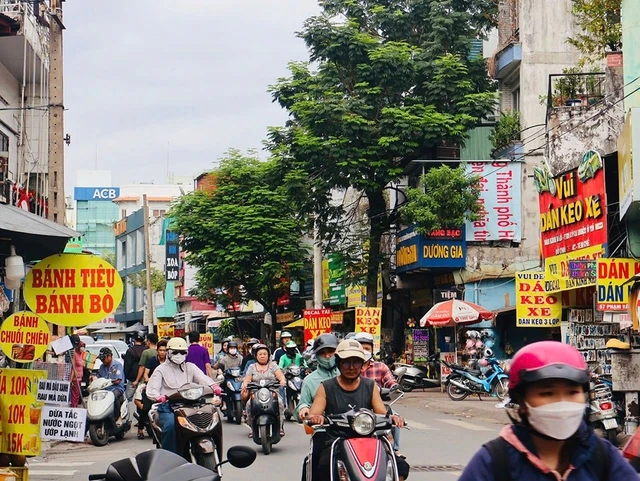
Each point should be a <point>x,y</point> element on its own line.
<point>121,346</point>
<point>95,349</point>
<point>87,340</point>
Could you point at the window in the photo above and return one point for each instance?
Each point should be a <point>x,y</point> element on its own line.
<point>159,212</point>
<point>4,143</point>
<point>515,99</point>
<point>123,214</point>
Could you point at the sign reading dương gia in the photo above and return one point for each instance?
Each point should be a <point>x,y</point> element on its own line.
<point>73,289</point>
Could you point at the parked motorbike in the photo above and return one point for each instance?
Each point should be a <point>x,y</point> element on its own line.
<point>414,377</point>
<point>101,419</point>
<point>265,412</point>
<point>293,375</point>
<point>161,465</point>
<point>198,426</point>
<point>464,381</point>
<point>232,386</point>
<point>602,409</point>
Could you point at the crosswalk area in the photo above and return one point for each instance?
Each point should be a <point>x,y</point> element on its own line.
<point>43,470</point>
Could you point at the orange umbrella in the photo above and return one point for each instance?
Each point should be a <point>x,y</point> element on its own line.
<point>453,313</point>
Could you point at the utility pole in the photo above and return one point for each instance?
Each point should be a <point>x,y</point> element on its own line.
<point>317,269</point>
<point>147,263</point>
<point>56,199</point>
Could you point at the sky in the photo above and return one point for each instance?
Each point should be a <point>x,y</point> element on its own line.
<point>154,82</point>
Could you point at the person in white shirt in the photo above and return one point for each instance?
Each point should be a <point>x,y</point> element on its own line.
<point>167,379</point>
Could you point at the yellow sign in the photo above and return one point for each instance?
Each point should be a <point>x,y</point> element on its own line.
<point>206,341</point>
<point>613,293</point>
<point>24,336</point>
<point>369,319</point>
<point>625,166</point>
<point>355,296</point>
<point>337,317</point>
<point>73,289</point>
<point>20,411</point>
<point>557,269</point>
<point>325,280</point>
<point>165,329</point>
<point>534,306</point>
<point>283,317</point>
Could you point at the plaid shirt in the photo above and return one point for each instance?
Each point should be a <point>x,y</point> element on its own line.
<point>380,373</point>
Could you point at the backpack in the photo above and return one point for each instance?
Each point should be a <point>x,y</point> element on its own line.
<point>599,463</point>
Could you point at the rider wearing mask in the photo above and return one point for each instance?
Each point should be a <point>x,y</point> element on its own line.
<point>230,359</point>
<point>291,357</point>
<point>282,350</point>
<point>549,437</point>
<point>168,378</point>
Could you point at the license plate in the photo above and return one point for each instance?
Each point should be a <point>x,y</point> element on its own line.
<point>610,423</point>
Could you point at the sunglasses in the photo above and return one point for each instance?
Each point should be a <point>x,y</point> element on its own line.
<point>357,363</point>
<point>179,352</point>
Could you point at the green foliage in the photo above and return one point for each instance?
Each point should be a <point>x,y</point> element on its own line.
<point>139,280</point>
<point>110,257</point>
<point>506,130</point>
<point>227,327</point>
<point>242,235</point>
<point>446,197</point>
<point>599,21</point>
<point>390,80</point>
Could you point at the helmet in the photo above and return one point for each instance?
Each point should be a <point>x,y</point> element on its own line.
<point>232,344</point>
<point>139,336</point>
<point>291,345</point>
<point>177,344</point>
<point>259,347</point>
<point>350,348</point>
<point>323,341</point>
<point>285,334</point>
<point>227,339</point>
<point>104,353</point>
<point>310,343</point>
<point>351,335</point>
<point>364,338</point>
<point>252,341</point>
<point>547,360</point>
<point>488,352</point>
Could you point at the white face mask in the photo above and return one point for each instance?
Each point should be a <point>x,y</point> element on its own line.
<point>367,356</point>
<point>233,352</point>
<point>558,420</point>
<point>178,358</point>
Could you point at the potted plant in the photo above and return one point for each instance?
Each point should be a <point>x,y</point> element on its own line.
<point>507,130</point>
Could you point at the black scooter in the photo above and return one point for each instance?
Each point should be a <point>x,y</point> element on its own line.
<point>265,412</point>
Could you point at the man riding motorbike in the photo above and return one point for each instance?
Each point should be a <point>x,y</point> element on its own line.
<point>168,378</point>
<point>285,337</point>
<point>348,390</point>
<point>112,369</point>
<point>292,356</point>
<point>250,354</point>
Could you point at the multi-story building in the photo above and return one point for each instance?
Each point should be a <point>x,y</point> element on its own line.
<point>24,94</point>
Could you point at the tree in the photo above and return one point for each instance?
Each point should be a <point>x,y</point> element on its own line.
<point>391,79</point>
<point>242,234</point>
<point>601,28</point>
<point>158,280</point>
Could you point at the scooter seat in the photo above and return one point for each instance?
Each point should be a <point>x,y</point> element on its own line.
<point>158,465</point>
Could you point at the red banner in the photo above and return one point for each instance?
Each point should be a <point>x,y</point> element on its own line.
<point>573,212</point>
<point>316,322</point>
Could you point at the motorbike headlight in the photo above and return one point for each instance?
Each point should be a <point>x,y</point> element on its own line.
<point>234,372</point>
<point>192,394</point>
<point>98,396</point>
<point>363,423</point>
<point>389,476</point>
<point>295,370</point>
<point>263,395</point>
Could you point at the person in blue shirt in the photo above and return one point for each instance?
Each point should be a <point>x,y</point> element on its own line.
<point>112,369</point>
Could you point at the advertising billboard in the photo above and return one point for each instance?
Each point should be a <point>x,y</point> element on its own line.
<point>443,248</point>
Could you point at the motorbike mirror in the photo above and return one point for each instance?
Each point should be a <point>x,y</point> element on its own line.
<point>241,456</point>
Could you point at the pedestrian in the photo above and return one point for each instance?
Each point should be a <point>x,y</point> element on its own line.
<point>131,363</point>
<point>198,354</point>
<point>549,437</point>
<point>149,353</point>
<point>77,369</point>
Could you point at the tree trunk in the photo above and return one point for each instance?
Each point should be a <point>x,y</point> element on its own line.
<point>377,219</point>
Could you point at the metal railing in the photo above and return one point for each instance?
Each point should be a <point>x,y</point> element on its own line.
<point>575,89</point>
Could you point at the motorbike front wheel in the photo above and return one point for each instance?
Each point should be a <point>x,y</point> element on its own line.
<point>238,412</point>
<point>207,460</point>
<point>266,442</point>
<point>406,386</point>
<point>98,434</point>
<point>455,393</point>
<point>500,389</point>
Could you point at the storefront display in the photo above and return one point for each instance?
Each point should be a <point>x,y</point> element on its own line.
<point>590,337</point>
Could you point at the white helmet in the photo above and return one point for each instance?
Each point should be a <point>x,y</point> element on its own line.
<point>364,338</point>
<point>177,350</point>
<point>488,352</point>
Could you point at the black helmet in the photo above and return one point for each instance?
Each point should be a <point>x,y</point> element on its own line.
<point>104,353</point>
<point>232,344</point>
<point>75,340</point>
<point>139,336</point>
<point>323,341</point>
<point>252,341</point>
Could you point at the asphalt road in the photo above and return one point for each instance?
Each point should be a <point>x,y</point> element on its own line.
<point>437,446</point>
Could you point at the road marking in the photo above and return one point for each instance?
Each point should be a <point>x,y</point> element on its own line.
<point>416,425</point>
<point>462,424</point>
<point>52,473</point>
<point>59,465</point>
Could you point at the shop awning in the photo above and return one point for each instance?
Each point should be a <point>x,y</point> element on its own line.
<point>295,324</point>
<point>136,327</point>
<point>33,236</point>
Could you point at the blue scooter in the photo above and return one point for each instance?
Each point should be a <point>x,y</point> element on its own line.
<point>233,401</point>
<point>464,381</point>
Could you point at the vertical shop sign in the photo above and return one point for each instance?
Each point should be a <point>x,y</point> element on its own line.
<point>206,341</point>
<point>534,306</point>
<point>420,345</point>
<point>500,202</point>
<point>172,256</point>
<point>316,322</point>
<point>337,294</point>
<point>612,293</point>
<point>369,319</point>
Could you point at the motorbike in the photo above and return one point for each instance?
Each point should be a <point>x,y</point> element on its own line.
<point>265,412</point>
<point>414,377</point>
<point>232,386</point>
<point>361,451</point>
<point>293,375</point>
<point>161,465</point>
<point>101,419</point>
<point>464,381</point>
<point>198,426</point>
<point>603,413</point>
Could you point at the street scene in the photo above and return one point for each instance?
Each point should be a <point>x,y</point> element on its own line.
<point>344,240</point>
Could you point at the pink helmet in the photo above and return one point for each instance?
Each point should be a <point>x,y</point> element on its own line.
<point>548,360</point>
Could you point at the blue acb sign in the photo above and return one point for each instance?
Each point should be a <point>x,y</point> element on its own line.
<point>96,193</point>
<point>445,248</point>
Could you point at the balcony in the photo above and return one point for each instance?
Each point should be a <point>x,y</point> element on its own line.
<point>575,89</point>
<point>24,34</point>
<point>507,61</point>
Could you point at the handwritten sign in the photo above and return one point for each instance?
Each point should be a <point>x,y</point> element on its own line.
<point>73,289</point>
<point>64,424</point>
<point>54,392</point>
<point>316,322</point>
<point>369,319</point>
<point>165,329</point>
<point>206,341</point>
<point>24,336</point>
<point>20,411</point>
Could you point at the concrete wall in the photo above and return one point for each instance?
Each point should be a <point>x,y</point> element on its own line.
<point>9,119</point>
<point>630,41</point>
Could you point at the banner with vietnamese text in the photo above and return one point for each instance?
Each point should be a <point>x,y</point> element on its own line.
<point>534,306</point>
<point>316,322</point>
<point>369,319</point>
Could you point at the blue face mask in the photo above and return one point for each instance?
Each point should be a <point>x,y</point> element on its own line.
<point>327,364</point>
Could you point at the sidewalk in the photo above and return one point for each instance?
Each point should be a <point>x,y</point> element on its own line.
<point>472,407</point>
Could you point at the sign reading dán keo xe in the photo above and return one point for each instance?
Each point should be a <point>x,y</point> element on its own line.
<point>96,193</point>
<point>445,248</point>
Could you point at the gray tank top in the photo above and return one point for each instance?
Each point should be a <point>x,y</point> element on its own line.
<point>340,401</point>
